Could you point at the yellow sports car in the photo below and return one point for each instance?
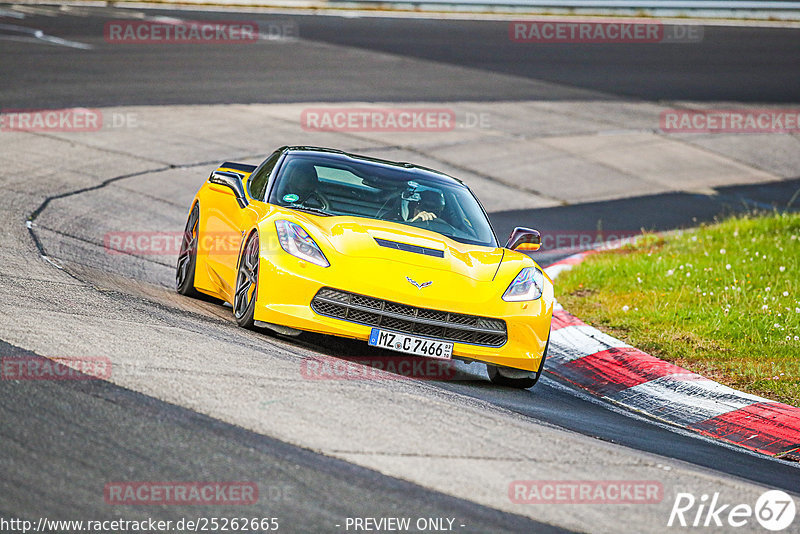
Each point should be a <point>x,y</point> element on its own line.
<point>400,256</point>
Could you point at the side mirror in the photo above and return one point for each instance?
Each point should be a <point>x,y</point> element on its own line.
<point>524,239</point>
<point>233,181</point>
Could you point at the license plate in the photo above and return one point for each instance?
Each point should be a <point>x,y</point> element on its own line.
<point>411,344</point>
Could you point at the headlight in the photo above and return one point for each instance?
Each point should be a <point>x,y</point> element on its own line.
<point>298,243</point>
<point>528,285</point>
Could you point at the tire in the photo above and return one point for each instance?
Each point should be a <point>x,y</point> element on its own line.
<point>187,257</point>
<point>244,298</point>
<point>498,379</point>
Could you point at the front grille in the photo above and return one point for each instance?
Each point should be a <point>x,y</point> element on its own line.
<point>370,311</point>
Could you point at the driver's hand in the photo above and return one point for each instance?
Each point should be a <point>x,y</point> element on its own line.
<point>424,216</point>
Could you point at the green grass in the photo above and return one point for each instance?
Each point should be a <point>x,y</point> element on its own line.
<point>722,300</point>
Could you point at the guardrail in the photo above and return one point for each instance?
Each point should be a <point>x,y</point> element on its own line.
<point>616,4</point>
<point>751,7</point>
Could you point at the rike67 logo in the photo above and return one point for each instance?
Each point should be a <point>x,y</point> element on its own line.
<point>774,510</point>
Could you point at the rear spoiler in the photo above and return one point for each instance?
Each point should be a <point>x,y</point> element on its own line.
<point>243,167</point>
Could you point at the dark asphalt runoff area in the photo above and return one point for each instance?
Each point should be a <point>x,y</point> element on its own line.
<point>62,438</point>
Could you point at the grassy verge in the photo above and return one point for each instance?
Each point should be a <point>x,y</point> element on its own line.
<point>722,300</point>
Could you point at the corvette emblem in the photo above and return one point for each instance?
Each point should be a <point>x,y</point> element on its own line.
<point>418,285</point>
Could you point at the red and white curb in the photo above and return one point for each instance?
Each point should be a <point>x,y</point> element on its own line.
<point>612,370</point>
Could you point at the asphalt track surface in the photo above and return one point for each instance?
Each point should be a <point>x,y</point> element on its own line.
<point>739,64</point>
<point>730,64</point>
<point>69,441</point>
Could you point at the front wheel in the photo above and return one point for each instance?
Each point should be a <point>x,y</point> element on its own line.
<point>517,378</point>
<point>244,299</point>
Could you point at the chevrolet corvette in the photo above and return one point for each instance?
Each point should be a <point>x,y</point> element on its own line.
<point>394,254</point>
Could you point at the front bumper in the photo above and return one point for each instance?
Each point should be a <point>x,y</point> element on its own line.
<point>287,286</point>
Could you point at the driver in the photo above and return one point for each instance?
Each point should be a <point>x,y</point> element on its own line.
<point>301,185</point>
<point>428,208</point>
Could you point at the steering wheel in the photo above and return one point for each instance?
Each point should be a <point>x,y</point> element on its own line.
<point>435,225</point>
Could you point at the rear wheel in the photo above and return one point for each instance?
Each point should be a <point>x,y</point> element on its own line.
<point>244,299</point>
<point>517,378</point>
<point>187,258</point>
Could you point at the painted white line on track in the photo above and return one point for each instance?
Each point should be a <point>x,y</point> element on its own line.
<point>180,22</point>
<point>23,33</point>
<point>11,14</point>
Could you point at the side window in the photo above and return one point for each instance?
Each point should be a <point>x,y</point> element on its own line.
<point>257,184</point>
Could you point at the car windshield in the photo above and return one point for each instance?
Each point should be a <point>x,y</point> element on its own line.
<point>412,196</point>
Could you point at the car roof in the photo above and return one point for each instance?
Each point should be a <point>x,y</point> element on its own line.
<point>340,155</point>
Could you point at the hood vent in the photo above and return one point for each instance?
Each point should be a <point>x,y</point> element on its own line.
<point>425,251</point>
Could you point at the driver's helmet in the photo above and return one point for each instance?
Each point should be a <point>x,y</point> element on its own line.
<point>300,181</point>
